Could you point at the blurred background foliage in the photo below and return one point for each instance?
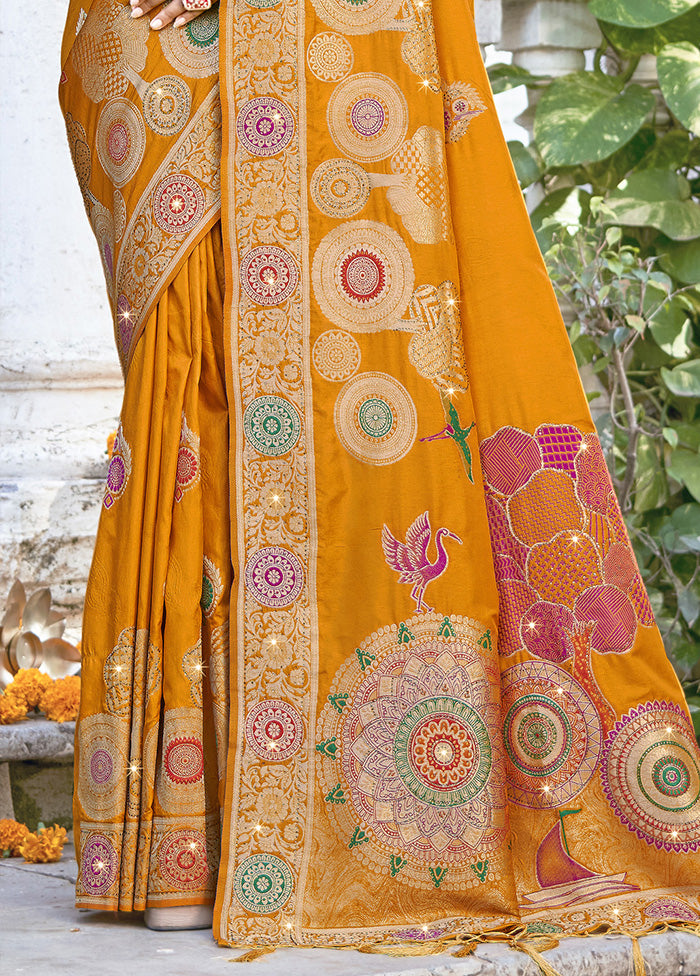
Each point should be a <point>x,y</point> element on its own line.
<point>614,171</point>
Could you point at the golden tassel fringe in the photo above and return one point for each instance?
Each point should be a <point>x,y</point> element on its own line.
<point>431,948</point>
<point>637,957</point>
<point>252,954</point>
<point>545,968</point>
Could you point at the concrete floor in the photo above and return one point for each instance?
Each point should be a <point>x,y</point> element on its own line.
<point>44,935</point>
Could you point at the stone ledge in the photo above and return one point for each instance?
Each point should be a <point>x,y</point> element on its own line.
<point>37,739</point>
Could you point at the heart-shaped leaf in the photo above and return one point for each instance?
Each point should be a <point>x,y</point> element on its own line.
<point>503,77</point>
<point>639,13</point>
<point>683,380</point>
<point>587,116</point>
<point>652,39</point>
<point>656,198</point>
<point>678,66</point>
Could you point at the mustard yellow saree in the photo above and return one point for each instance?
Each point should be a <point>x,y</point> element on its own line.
<point>367,658</point>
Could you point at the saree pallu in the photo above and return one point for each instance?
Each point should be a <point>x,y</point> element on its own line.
<point>367,655</point>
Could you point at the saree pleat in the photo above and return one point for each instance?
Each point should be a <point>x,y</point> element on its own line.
<point>367,657</point>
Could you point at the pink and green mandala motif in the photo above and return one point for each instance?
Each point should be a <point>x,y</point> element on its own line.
<point>408,765</point>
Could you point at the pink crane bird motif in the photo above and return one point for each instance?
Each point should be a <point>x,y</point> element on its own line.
<point>410,558</point>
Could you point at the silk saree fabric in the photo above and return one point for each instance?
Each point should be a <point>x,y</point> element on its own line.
<point>367,658</point>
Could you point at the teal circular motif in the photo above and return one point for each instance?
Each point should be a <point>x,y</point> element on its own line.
<point>670,776</point>
<point>375,417</point>
<point>538,735</point>
<point>262,4</point>
<point>442,752</point>
<point>207,594</point>
<point>204,29</point>
<point>263,884</point>
<point>272,425</point>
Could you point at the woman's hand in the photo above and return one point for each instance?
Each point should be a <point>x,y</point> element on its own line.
<point>173,11</point>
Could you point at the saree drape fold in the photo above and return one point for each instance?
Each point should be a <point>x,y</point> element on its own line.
<point>367,655</point>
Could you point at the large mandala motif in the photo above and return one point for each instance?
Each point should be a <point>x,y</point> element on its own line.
<point>194,49</point>
<point>363,276</point>
<point>121,140</point>
<point>104,761</point>
<point>651,776</point>
<point>274,730</point>
<point>552,734</point>
<point>408,737</point>
<point>98,864</point>
<point>180,774</point>
<point>269,275</point>
<point>368,116</point>
<point>265,126</point>
<point>353,17</point>
<point>182,860</point>
<point>272,425</point>
<point>336,355</point>
<point>329,57</point>
<point>178,204</point>
<point>263,883</point>
<point>274,576</point>
<point>375,418</point>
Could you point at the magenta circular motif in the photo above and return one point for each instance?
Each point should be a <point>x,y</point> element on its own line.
<point>274,730</point>
<point>614,617</point>
<point>669,909</point>
<point>101,766</point>
<point>367,116</point>
<point>184,760</point>
<point>274,576</point>
<point>98,864</point>
<point>178,204</point>
<point>182,859</point>
<point>116,474</point>
<point>269,275</point>
<point>118,142</point>
<point>543,631</point>
<point>265,126</point>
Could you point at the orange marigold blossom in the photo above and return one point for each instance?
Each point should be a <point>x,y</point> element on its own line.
<point>30,684</point>
<point>13,708</point>
<point>45,845</point>
<point>61,700</point>
<point>12,834</point>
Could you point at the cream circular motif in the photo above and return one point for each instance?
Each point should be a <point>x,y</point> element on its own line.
<point>363,276</point>
<point>375,418</point>
<point>166,105</point>
<point>330,57</point>
<point>340,188</point>
<point>368,117</point>
<point>357,16</point>
<point>121,140</point>
<point>336,355</point>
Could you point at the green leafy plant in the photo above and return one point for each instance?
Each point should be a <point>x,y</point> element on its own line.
<point>615,166</point>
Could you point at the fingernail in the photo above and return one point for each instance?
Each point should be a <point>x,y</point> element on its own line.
<point>137,12</point>
<point>180,21</point>
<point>156,24</point>
<point>133,2</point>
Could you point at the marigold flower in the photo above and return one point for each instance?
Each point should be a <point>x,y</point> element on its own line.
<point>61,700</point>
<point>44,846</point>
<point>12,834</point>
<point>30,684</point>
<point>13,708</point>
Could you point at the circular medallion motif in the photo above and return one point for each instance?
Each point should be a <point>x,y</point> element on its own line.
<point>116,474</point>
<point>103,764</point>
<point>340,188</point>
<point>408,754</point>
<point>357,16</point>
<point>187,466</point>
<point>375,419</point>
<point>184,760</point>
<point>368,117</point>
<point>178,204</point>
<point>182,860</point>
<point>269,275</point>
<point>272,425</point>
<point>194,49</point>
<point>166,105</point>
<point>336,355</point>
<point>552,734</point>
<point>265,126</point>
<point>121,140</point>
<point>263,883</point>
<point>274,576</point>
<point>98,864</point>
<point>274,730</point>
<point>651,776</point>
<point>330,57</point>
<point>367,286</point>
